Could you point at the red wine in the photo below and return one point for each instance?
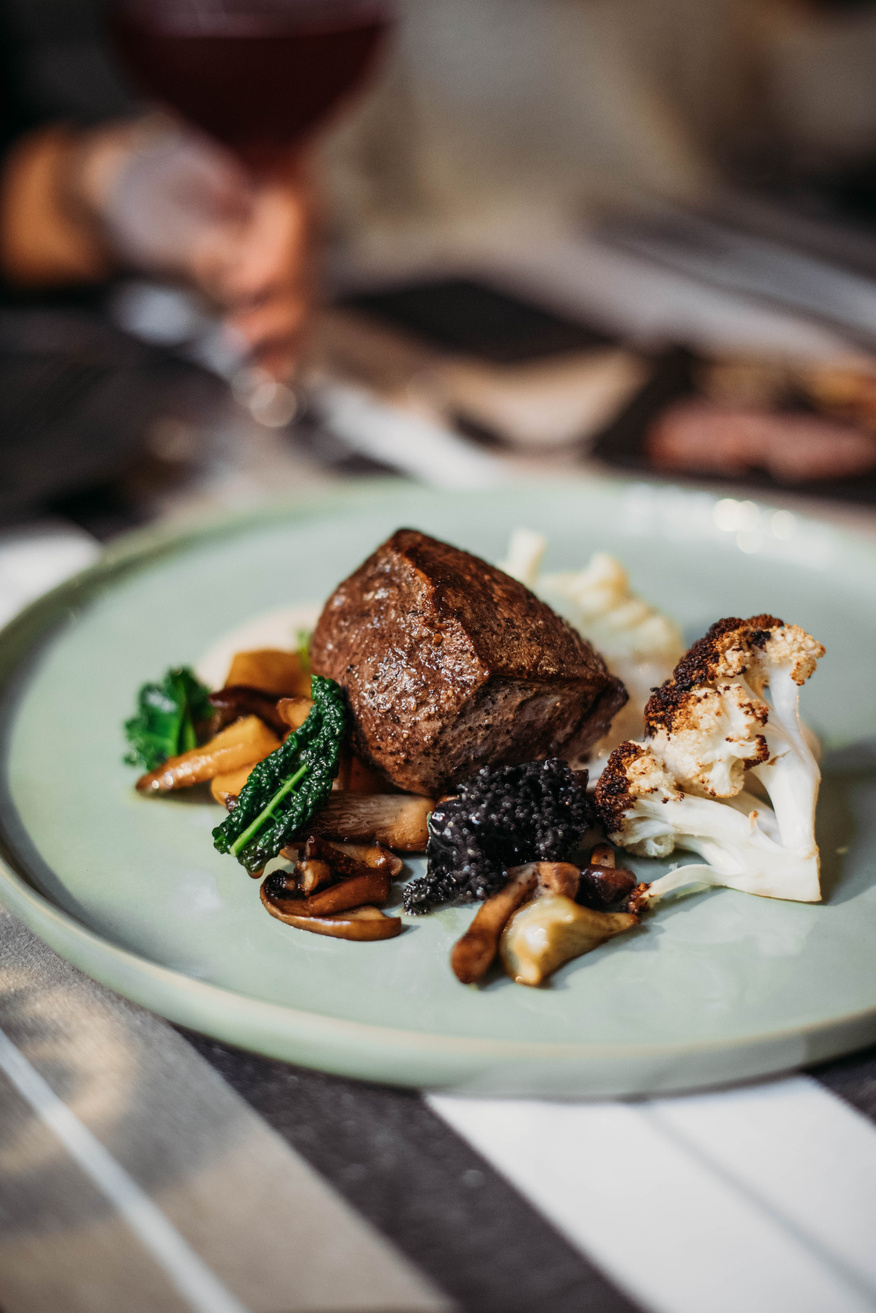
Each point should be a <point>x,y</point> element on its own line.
<point>259,75</point>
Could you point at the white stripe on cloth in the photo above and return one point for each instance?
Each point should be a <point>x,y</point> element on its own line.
<point>198,1285</point>
<point>762,1199</point>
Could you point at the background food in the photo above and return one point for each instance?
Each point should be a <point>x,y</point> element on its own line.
<point>704,437</point>
<point>639,643</point>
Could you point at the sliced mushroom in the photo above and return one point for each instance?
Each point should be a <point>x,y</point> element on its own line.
<point>365,854</point>
<point>373,854</point>
<point>226,787</point>
<point>343,863</point>
<point>558,877</point>
<point>551,930</point>
<point>312,875</point>
<point>271,670</point>
<point>602,855</point>
<point>395,819</point>
<point>242,700</point>
<point>475,952</point>
<point>603,886</point>
<point>370,887</point>
<point>294,711</point>
<point>242,744</point>
<point>282,884</point>
<point>360,923</point>
<point>373,887</point>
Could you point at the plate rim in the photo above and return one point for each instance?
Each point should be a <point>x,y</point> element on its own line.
<point>319,1035</point>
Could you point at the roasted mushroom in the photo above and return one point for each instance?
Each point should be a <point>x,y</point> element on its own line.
<point>364,854</point>
<point>226,787</point>
<point>372,887</point>
<point>602,885</point>
<point>238,700</point>
<point>557,878</point>
<point>272,670</point>
<point>242,744</point>
<point>475,952</point>
<point>360,923</point>
<point>603,855</point>
<point>395,819</point>
<point>551,930</point>
<point>343,864</point>
<point>294,711</point>
<point>313,874</point>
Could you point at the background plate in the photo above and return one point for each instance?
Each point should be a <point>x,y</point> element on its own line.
<point>717,987</point>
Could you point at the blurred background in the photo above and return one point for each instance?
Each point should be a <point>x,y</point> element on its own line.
<point>250,247</point>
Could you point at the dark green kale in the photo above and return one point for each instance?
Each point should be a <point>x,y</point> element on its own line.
<point>167,719</point>
<point>284,790</point>
<point>505,816</point>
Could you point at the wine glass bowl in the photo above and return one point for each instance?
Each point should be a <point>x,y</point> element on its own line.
<point>260,76</point>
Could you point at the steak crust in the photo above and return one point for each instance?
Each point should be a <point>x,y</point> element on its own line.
<point>449,665</point>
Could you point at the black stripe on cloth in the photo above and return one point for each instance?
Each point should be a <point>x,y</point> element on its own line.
<point>420,1184</point>
<point>853,1079</point>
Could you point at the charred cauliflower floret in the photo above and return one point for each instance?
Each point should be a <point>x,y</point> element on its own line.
<point>729,707</point>
<point>757,649</point>
<point>708,737</point>
<point>632,776</point>
<point>767,661</point>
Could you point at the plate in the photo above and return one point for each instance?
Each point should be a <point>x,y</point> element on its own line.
<point>717,987</point>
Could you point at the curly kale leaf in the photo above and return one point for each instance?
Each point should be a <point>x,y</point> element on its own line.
<point>283,791</point>
<point>167,719</point>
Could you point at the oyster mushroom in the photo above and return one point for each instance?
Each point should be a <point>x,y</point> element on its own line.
<point>551,930</point>
<point>238,700</point>
<point>359,923</point>
<point>273,671</point>
<point>242,744</point>
<point>371,854</point>
<point>313,874</point>
<point>294,711</point>
<point>475,952</point>
<point>372,887</point>
<point>558,878</point>
<point>604,886</point>
<point>331,851</point>
<point>395,819</point>
<point>284,894</point>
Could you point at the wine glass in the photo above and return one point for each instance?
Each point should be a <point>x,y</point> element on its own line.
<point>260,76</point>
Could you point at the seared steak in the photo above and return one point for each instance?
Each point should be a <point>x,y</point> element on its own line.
<point>450,664</point>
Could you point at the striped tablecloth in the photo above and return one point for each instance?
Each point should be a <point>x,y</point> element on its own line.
<point>143,1169</point>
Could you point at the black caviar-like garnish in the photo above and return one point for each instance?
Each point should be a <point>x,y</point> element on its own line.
<point>503,817</point>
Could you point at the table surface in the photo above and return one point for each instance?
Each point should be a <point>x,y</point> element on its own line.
<point>148,1169</point>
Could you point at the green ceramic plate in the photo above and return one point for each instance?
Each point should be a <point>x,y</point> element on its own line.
<point>716,987</point>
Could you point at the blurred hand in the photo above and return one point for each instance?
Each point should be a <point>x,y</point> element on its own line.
<point>172,202</point>
<point>154,196</point>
